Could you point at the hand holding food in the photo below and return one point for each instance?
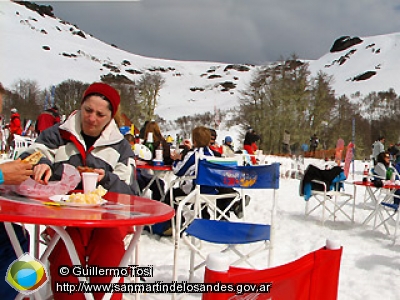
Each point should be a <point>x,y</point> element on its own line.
<point>15,172</point>
<point>34,158</point>
<point>85,169</point>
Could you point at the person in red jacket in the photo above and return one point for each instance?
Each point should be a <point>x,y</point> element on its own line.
<point>249,144</point>
<point>47,118</point>
<point>15,122</point>
<point>15,126</point>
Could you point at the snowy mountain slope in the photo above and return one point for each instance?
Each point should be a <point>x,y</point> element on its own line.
<point>49,50</point>
<point>378,54</point>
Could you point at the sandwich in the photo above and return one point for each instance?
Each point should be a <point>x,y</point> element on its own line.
<point>84,169</point>
<point>34,158</point>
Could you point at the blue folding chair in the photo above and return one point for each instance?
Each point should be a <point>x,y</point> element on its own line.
<point>228,233</point>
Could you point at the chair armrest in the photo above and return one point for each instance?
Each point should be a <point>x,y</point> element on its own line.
<point>181,178</point>
<point>320,182</point>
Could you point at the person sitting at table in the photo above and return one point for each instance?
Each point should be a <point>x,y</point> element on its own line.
<point>217,149</point>
<point>249,144</point>
<point>227,147</point>
<point>159,141</point>
<point>386,171</point>
<point>89,137</point>
<point>12,173</point>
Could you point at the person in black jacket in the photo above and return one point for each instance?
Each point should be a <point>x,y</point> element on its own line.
<point>314,141</point>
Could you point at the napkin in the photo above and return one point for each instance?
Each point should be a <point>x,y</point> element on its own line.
<point>31,188</point>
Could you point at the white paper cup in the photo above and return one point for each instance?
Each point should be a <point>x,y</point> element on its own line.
<point>89,180</point>
<point>159,155</point>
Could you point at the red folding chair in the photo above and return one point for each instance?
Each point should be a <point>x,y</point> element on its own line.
<point>314,276</point>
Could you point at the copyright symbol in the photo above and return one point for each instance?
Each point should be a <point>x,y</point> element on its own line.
<point>63,271</point>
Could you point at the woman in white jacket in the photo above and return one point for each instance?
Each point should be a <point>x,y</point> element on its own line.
<point>89,137</point>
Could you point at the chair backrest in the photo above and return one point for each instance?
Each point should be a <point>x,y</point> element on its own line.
<point>248,177</point>
<point>21,144</point>
<point>314,276</point>
<point>332,179</point>
<point>226,161</point>
<point>21,141</point>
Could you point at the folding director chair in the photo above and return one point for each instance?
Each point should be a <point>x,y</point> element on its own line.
<point>388,213</point>
<point>226,233</point>
<point>314,276</point>
<point>207,202</point>
<point>384,205</point>
<point>324,189</point>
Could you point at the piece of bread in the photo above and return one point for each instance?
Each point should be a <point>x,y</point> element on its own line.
<point>34,158</point>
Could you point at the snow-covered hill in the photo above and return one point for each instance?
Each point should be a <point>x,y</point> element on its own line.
<point>49,50</point>
<point>376,56</point>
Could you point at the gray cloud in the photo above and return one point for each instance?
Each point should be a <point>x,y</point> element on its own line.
<point>232,31</point>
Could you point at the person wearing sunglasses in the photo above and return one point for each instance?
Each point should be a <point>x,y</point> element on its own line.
<point>386,171</point>
<point>383,168</point>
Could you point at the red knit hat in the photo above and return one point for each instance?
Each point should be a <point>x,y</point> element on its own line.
<point>107,91</point>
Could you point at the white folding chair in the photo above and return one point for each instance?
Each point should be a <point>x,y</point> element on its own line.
<point>327,197</point>
<point>387,211</point>
<point>227,233</point>
<point>21,144</point>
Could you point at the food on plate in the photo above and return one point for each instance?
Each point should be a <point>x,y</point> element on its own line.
<point>84,169</point>
<point>94,197</point>
<point>34,158</point>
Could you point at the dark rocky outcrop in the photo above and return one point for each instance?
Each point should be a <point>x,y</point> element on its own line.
<point>344,43</point>
<point>227,85</point>
<point>133,71</point>
<point>364,76</point>
<point>239,68</point>
<point>40,9</point>
<point>111,67</point>
<point>161,69</point>
<point>213,76</point>
<point>69,54</point>
<point>79,33</point>
<point>194,89</point>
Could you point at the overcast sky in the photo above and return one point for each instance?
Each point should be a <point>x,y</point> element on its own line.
<point>230,31</point>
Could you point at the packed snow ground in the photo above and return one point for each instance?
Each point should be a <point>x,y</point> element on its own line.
<point>370,265</point>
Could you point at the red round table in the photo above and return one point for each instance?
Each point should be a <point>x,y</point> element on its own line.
<point>120,211</point>
<point>154,168</point>
<point>159,172</point>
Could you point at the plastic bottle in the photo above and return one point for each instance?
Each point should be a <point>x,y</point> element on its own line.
<point>366,170</point>
<point>149,143</point>
<point>160,152</point>
<point>393,177</point>
<point>389,174</point>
